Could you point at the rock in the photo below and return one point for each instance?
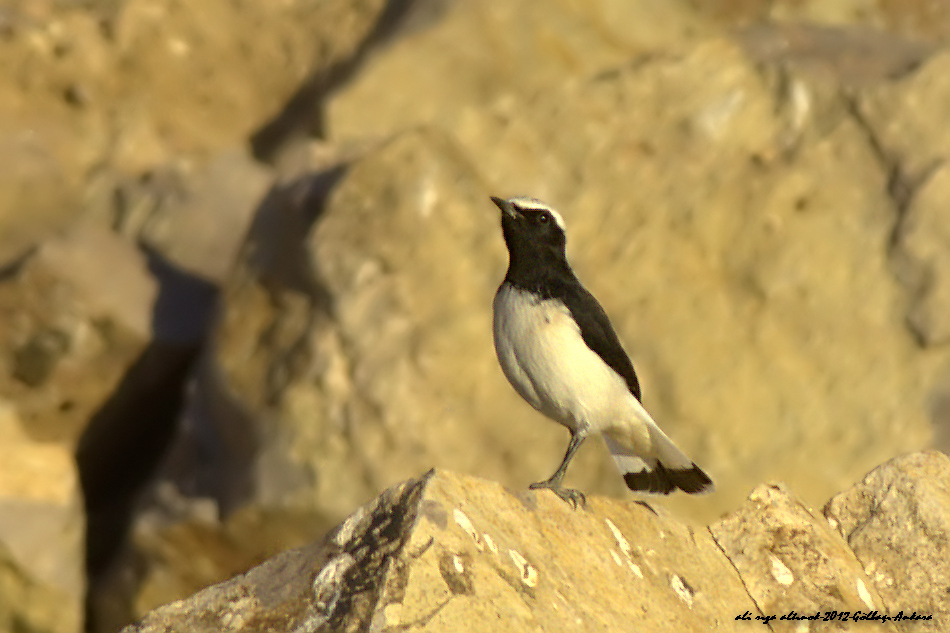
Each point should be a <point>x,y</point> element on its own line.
<point>268,597</point>
<point>854,56</point>
<point>214,88</point>
<point>46,145</point>
<point>940,412</point>
<point>342,337</point>
<point>454,553</point>
<point>727,203</point>
<point>193,214</point>
<point>479,52</point>
<point>922,249</point>
<point>734,219</point>
<point>137,84</point>
<point>903,119</point>
<point>914,144</point>
<point>757,210</point>
<point>449,552</point>
<point>179,545</point>
<point>94,359</point>
<point>74,316</point>
<point>114,284</point>
<point>791,562</point>
<point>41,533</point>
<point>896,521</point>
<point>918,19</point>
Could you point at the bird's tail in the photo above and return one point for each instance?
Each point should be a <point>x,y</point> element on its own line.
<point>666,469</point>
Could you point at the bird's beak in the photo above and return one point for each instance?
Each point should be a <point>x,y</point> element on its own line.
<point>506,207</point>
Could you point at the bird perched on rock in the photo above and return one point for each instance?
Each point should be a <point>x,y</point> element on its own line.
<point>558,350</point>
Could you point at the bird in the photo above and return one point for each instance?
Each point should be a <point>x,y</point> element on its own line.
<point>557,348</point>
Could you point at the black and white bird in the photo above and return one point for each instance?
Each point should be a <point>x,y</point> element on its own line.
<point>558,350</point>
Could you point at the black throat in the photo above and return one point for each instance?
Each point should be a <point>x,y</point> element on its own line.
<point>538,268</point>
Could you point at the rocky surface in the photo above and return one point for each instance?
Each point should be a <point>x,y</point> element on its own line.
<point>137,83</point>
<point>791,561</point>
<point>454,553</point>
<point>915,150</point>
<point>41,533</point>
<point>753,189</point>
<point>896,521</point>
<point>740,180</point>
<point>67,336</point>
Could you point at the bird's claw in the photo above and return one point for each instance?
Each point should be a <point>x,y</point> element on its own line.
<point>574,497</point>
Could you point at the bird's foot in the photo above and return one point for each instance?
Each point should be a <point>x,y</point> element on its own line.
<point>567,494</point>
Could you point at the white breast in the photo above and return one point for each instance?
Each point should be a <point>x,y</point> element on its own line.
<point>542,354</point>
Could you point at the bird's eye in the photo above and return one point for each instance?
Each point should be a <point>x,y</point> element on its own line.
<point>544,218</point>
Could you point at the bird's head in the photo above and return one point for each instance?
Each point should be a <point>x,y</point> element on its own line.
<point>533,230</point>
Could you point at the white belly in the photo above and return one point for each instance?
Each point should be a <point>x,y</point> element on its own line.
<point>542,354</point>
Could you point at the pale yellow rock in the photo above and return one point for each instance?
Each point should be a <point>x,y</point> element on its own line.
<point>43,473</point>
<point>791,562</point>
<point>73,318</point>
<point>896,520</point>
<point>734,220</point>
<point>416,558</point>
<point>108,275</point>
<point>448,552</point>
<point>481,50</point>
<point>42,546</point>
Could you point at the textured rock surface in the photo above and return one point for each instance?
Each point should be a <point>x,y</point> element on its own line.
<point>790,561</point>
<point>73,317</point>
<point>454,553</point>
<point>915,146</point>
<point>917,18</point>
<point>344,353</point>
<point>193,212</point>
<point>735,224</point>
<point>137,83</point>
<point>41,533</point>
<point>896,520</point>
<point>754,190</point>
<point>471,60</point>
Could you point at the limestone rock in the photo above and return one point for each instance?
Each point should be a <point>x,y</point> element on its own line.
<point>41,533</point>
<point>481,51</point>
<point>791,562</point>
<point>136,84</point>
<point>904,119</point>
<point>854,56</point>
<point>85,363</point>
<point>923,246</point>
<point>729,205</point>
<point>734,219</point>
<point>337,364</point>
<point>896,521</point>
<point>179,546</point>
<point>453,553</point>
<point>46,145</point>
<point>194,213</point>
<point>918,19</point>
<point>449,552</point>
<point>74,316</point>
<point>760,217</point>
<point>266,598</point>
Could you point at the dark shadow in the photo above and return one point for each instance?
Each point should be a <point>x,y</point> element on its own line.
<point>225,437</point>
<point>303,114</point>
<point>12,267</point>
<point>127,437</point>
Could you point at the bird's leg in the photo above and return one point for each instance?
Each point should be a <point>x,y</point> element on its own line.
<point>554,482</point>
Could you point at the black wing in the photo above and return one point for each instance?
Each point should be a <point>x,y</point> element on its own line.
<point>596,330</point>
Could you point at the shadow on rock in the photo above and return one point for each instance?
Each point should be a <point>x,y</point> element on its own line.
<point>128,436</point>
